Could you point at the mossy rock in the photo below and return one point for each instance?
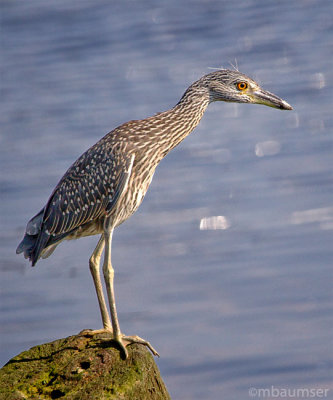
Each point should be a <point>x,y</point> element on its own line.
<point>82,368</point>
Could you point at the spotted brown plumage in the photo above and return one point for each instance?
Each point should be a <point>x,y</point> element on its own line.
<point>108,182</point>
<point>87,192</point>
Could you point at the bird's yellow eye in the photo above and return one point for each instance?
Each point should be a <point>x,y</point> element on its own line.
<point>242,85</point>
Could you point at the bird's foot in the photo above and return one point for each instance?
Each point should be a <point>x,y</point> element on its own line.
<point>123,341</point>
<point>92,332</point>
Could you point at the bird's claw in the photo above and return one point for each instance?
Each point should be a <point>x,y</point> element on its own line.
<point>122,340</point>
<point>133,339</point>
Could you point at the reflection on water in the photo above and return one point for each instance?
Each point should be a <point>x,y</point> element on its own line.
<point>267,148</point>
<point>226,268</point>
<point>322,216</point>
<point>217,222</point>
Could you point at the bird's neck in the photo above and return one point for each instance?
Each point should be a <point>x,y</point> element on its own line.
<point>180,120</point>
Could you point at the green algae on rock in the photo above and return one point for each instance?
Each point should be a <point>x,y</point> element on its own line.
<point>82,368</point>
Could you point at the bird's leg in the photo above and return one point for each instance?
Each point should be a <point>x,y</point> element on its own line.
<point>94,264</point>
<point>108,271</point>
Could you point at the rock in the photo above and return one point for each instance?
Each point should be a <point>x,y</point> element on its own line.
<point>82,368</point>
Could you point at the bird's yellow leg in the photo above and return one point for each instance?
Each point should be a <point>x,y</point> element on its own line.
<point>108,271</point>
<point>94,264</point>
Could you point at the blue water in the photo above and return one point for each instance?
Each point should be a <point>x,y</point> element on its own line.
<point>228,309</point>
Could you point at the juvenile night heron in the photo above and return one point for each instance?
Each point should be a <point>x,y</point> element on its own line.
<point>106,185</point>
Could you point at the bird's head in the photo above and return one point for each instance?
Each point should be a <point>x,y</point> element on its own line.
<point>233,86</point>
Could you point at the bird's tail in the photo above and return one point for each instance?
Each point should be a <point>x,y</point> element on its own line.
<point>34,239</point>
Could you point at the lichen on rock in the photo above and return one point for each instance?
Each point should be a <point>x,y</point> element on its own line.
<point>82,368</point>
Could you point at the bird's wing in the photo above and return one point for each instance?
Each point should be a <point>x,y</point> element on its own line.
<point>90,188</point>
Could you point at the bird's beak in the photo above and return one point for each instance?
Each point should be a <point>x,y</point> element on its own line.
<point>261,96</point>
